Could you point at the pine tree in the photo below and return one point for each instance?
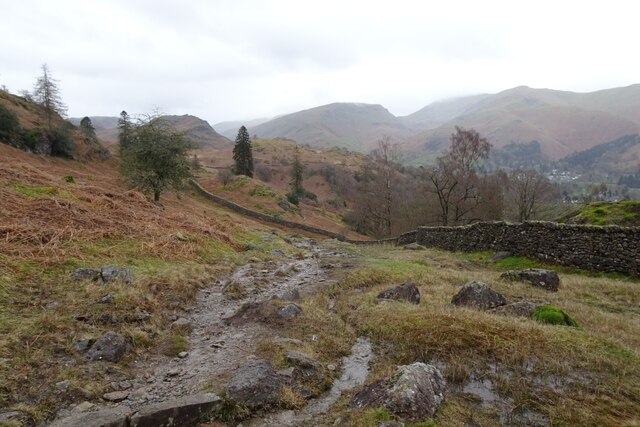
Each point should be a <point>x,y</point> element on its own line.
<point>124,130</point>
<point>47,94</point>
<point>242,153</point>
<point>296,175</point>
<point>87,129</point>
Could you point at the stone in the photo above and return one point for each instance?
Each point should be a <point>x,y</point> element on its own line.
<point>109,273</point>
<point>86,273</point>
<point>84,407</point>
<point>287,375</point>
<point>287,341</point>
<point>107,299</point>
<point>517,309</point>
<point>13,415</point>
<point>277,252</point>
<point>289,311</point>
<point>116,396</point>
<point>181,322</point>
<point>306,368</point>
<point>500,255</point>
<point>538,277</point>
<point>291,295</point>
<point>255,384</point>
<point>183,411</point>
<point>110,347</point>
<point>251,246</point>
<point>478,295</point>
<point>183,354</point>
<point>390,424</point>
<point>404,292</point>
<point>82,345</point>
<point>413,393</point>
<point>63,385</point>
<point>116,417</point>
<point>414,247</point>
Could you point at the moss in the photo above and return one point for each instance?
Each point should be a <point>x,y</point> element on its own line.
<point>553,315</point>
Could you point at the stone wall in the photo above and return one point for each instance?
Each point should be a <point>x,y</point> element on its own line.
<point>609,249</point>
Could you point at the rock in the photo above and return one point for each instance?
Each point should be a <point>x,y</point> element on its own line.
<point>255,384</point>
<point>287,341</point>
<point>84,407</point>
<point>414,247</point>
<point>404,292</point>
<point>107,299</point>
<point>251,246</point>
<point>539,277</point>
<point>390,424</point>
<point>291,295</point>
<point>478,295</point>
<point>517,309</point>
<point>63,385</point>
<point>110,347</point>
<point>306,368</point>
<point>181,322</point>
<point>80,346</point>
<point>116,396</point>
<point>277,252</point>
<point>109,273</point>
<point>287,375</point>
<point>413,393</point>
<point>183,411</point>
<point>86,273</point>
<point>13,415</point>
<point>289,311</point>
<point>183,354</point>
<point>116,417</point>
<point>500,255</point>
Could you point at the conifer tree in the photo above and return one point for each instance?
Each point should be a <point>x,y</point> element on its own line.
<point>296,174</point>
<point>242,153</point>
<point>47,94</point>
<point>124,130</point>
<point>87,129</point>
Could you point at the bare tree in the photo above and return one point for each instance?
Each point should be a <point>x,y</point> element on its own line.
<point>47,94</point>
<point>385,159</point>
<point>454,180</point>
<point>527,190</point>
<point>225,175</point>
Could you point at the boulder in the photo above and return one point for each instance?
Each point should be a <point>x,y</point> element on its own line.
<point>289,311</point>
<point>478,295</point>
<point>404,292</point>
<point>115,417</point>
<point>517,309</point>
<point>539,277</point>
<point>414,247</point>
<point>109,273</point>
<point>255,384</point>
<point>183,411</point>
<point>306,368</point>
<point>110,347</point>
<point>413,393</point>
<point>115,396</point>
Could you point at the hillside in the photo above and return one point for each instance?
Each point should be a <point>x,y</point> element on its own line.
<point>230,129</point>
<point>357,127</point>
<point>616,157</point>
<point>561,122</point>
<point>440,112</point>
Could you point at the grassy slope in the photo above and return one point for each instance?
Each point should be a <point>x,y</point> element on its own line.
<point>568,376</point>
<point>625,213</point>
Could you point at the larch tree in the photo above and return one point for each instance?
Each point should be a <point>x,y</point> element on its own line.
<point>243,154</point>
<point>47,93</point>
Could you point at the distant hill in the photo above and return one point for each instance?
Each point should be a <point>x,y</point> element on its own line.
<point>197,130</point>
<point>561,122</point>
<point>354,126</point>
<point>619,156</point>
<point>440,112</point>
<point>230,129</point>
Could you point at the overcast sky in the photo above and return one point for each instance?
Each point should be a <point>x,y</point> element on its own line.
<point>228,60</point>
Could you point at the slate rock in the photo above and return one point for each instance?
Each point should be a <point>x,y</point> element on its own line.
<point>255,384</point>
<point>413,393</point>
<point>289,311</point>
<point>478,295</point>
<point>404,292</point>
<point>110,347</point>
<point>538,277</point>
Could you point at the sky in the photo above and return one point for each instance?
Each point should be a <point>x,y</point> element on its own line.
<point>239,60</point>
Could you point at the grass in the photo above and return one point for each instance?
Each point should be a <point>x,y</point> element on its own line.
<point>623,213</point>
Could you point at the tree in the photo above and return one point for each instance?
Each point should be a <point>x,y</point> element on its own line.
<point>385,157</point>
<point>156,157</point>
<point>454,180</point>
<point>296,175</point>
<point>87,129</point>
<point>224,175</point>
<point>527,190</point>
<point>9,124</point>
<point>47,94</point>
<point>242,153</point>
<point>124,130</point>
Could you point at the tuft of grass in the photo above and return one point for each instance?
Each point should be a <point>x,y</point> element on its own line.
<point>234,291</point>
<point>171,345</point>
<point>36,191</point>
<point>553,315</point>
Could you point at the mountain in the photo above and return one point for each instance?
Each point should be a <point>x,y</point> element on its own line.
<point>230,129</point>
<point>440,112</point>
<point>197,130</point>
<point>357,127</point>
<point>619,156</point>
<point>561,122</point>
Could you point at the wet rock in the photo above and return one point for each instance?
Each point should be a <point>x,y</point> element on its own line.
<point>414,247</point>
<point>255,384</point>
<point>500,255</point>
<point>404,292</point>
<point>289,311</point>
<point>517,309</point>
<point>291,295</point>
<point>116,396</point>
<point>183,411</point>
<point>413,393</point>
<point>538,277</point>
<point>116,417</point>
<point>109,273</point>
<point>478,295</point>
<point>110,347</point>
<point>306,368</point>
<point>80,346</point>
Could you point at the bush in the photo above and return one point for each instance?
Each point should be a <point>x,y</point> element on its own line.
<point>293,198</point>
<point>553,315</point>
<point>61,144</point>
<point>9,124</point>
<point>311,196</point>
<point>264,172</point>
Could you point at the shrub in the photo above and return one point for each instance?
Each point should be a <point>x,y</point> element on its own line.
<point>264,172</point>
<point>9,124</point>
<point>553,315</point>
<point>69,179</point>
<point>293,198</point>
<point>61,144</point>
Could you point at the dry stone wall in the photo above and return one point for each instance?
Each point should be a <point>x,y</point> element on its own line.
<point>609,249</point>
